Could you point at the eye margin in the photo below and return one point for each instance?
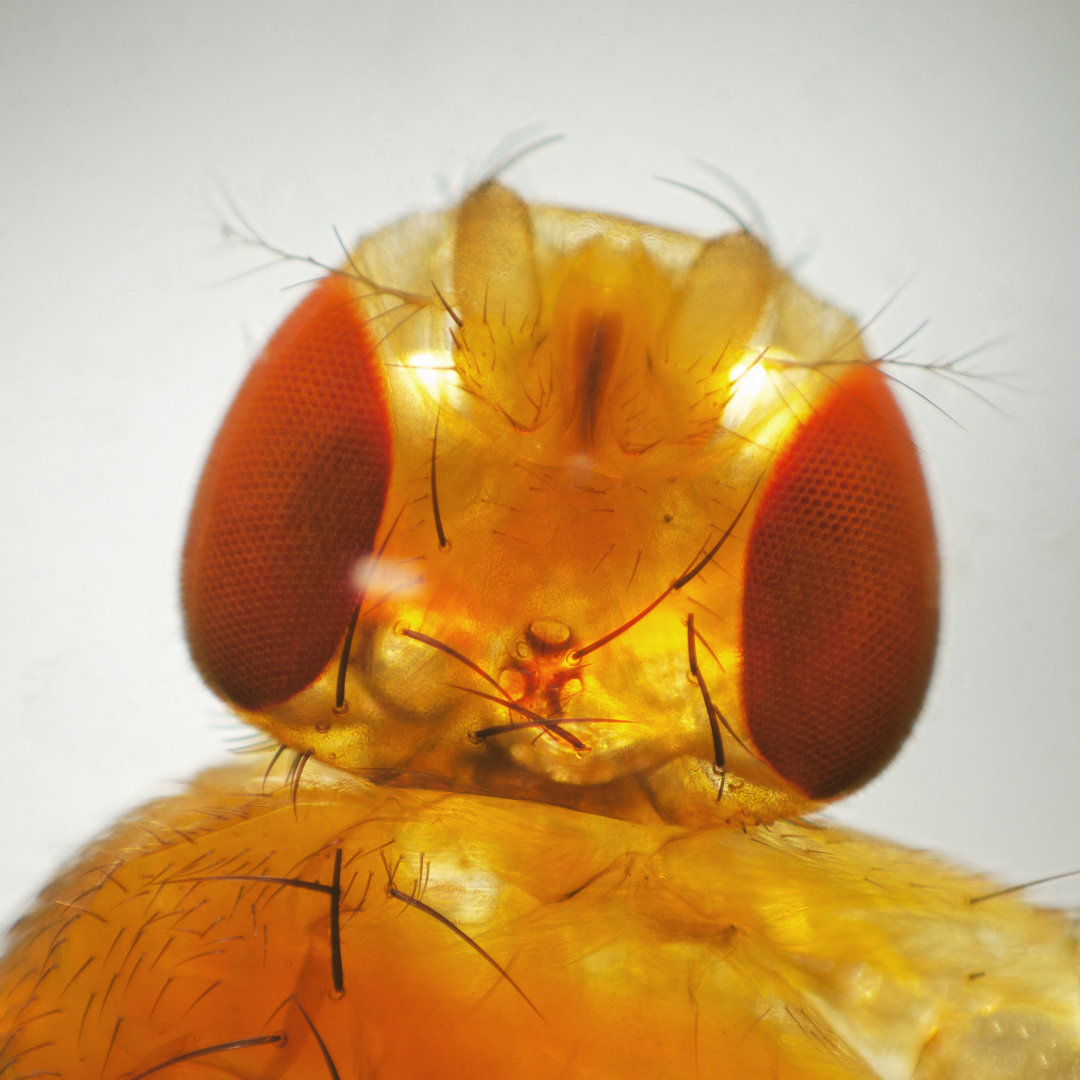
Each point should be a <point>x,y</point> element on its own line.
<point>290,498</point>
<point>840,600</point>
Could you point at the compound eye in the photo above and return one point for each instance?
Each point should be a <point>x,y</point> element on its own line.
<point>289,501</point>
<point>840,602</point>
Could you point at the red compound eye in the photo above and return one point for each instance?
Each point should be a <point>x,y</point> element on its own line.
<point>290,498</point>
<point>840,606</point>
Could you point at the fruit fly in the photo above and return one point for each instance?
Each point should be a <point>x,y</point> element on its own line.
<point>567,562</point>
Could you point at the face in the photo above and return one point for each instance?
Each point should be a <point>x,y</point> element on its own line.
<point>555,505</point>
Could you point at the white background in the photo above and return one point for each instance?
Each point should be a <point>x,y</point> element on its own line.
<point>923,145</point>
